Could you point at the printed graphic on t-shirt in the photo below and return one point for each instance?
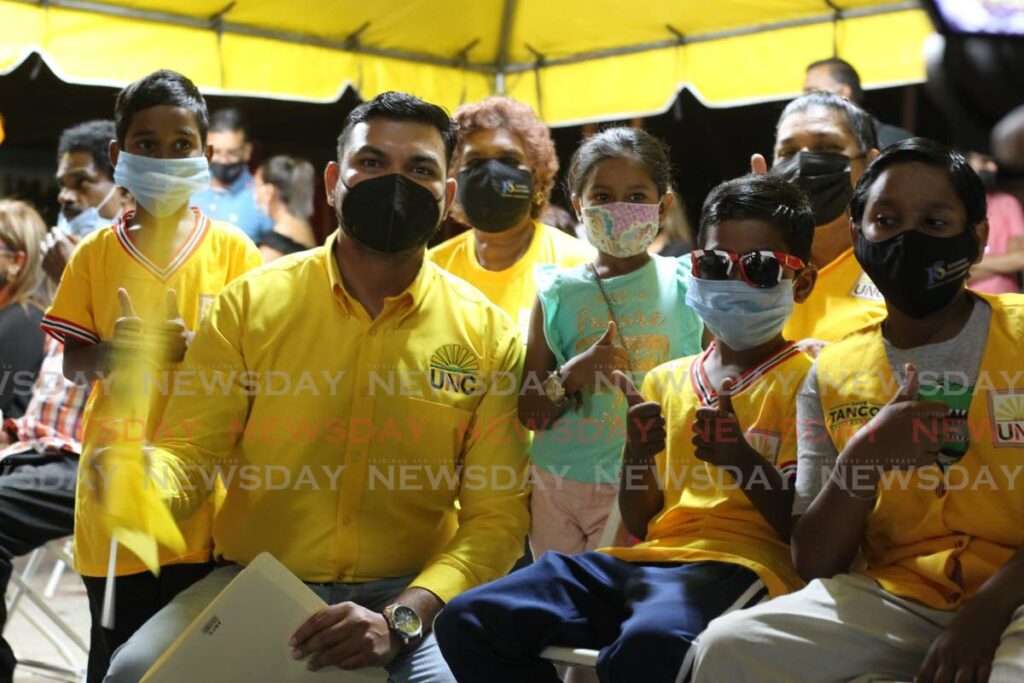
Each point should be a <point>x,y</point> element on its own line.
<point>865,289</point>
<point>955,436</point>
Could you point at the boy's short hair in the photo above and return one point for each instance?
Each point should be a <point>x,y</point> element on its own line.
<point>93,137</point>
<point>400,106</point>
<point>164,87</point>
<point>965,181</point>
<point>766,198</point>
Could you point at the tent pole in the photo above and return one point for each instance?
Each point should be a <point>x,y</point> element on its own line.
<point>508,14</point>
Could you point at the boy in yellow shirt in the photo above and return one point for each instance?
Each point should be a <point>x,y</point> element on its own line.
<point>154,273</point>
<point>704,476</point>
<point>910,451</point>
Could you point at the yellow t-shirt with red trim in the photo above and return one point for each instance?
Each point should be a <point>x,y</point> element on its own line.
<point>706,516</point>
<point>513,290</point>
<point>844,300</point>
<point>85,308</point>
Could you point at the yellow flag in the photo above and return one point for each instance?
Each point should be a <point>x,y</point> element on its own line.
<point>135,512</point>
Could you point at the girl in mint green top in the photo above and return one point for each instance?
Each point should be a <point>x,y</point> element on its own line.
<point>625,311</point>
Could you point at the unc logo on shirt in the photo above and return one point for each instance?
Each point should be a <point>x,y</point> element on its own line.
<point>865,289</point>
<point>1007,410</point>
<point>454,368</point>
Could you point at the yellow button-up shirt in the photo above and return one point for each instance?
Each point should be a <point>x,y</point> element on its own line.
<point>354,449</point>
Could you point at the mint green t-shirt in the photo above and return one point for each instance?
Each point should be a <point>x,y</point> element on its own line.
<point>655,326</point>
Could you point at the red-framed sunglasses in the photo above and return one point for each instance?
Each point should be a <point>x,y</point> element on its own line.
<point>762,269</point>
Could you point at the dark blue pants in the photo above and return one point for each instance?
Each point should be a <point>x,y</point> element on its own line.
<point>642,617</point>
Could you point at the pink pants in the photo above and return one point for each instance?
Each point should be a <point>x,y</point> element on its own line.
<point>568,516</point>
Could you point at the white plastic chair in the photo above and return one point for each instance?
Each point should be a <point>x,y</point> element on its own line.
<point>578,656</point>
<point>52,627</point>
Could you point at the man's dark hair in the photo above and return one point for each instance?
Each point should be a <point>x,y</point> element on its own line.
<point>843,72</point>
<point>160,88</point>
<point>399,106</point>
<point>765,198</point>
<point>93,137</point>
<point>965,181</point>
<point>229,120</point>
<point>858,121</point>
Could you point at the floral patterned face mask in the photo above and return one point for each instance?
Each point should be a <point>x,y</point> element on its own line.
<point>622,229</point>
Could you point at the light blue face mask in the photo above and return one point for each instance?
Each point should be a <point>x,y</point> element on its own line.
<point>740,316</point>
<point>161,186</point>
<point>87,221</point>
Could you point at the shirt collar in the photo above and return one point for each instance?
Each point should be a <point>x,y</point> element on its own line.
<point>401,305</point>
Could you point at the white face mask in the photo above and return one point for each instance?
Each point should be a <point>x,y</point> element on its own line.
<point>161,186</point>
<point>87,221</point>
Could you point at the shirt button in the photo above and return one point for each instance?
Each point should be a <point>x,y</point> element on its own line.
<point>346,520</point>
<point>356,456</point>
<point>373,333</point>
<point>365,392</point>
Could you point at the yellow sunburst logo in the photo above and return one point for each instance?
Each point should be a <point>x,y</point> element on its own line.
<point>1010,407</point>
<point>1008,416</point>
<point>455,358</point>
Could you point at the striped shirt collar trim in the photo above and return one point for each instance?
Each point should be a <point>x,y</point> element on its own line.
<point>188,247</point>
<point>702,385</point>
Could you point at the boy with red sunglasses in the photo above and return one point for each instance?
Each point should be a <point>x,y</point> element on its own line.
<point>704,483</point>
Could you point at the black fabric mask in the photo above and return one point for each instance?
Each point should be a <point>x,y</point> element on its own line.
<point>389,213</point>
<point>988,179</point>
<point>227,173</point>
<point>825,177</point>
<point>494,195</point>
<point>919,274</point>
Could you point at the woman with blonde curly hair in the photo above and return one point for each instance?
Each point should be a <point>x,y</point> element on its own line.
<point>506,166</point>
<point>22,299</point>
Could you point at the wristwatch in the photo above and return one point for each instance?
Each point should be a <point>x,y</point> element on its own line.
<point>404,621</point>
<point>554,388</point>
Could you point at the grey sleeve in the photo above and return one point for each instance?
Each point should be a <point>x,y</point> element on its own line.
<point>816,454</point>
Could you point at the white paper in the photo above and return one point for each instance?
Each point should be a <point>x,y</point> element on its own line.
<point>243,634</point>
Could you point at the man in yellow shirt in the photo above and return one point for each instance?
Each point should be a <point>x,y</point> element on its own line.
<point>823,143</point>
<point>910,450</point>
<point>506,165</point>
<point>157,267</point>
<point>361,412</point>
<point>703,480</point>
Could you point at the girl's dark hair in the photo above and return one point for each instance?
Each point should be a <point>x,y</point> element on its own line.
<point>293,179</point>
<point>966,183</point>
<point>767,198</point>
<point>615,143</point>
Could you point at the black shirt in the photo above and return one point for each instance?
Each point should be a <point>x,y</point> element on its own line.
<point>21,354</point>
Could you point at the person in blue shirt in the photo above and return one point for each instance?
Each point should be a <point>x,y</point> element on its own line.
<point>231,196</point>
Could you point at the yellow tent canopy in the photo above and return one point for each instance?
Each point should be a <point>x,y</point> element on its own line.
<point>574,60</point>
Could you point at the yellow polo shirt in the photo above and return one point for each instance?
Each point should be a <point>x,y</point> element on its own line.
<point>513,290</point>
<point>85,308</point>
<point>355,449</point>
<point>844,299</point>
<point>706,516</point>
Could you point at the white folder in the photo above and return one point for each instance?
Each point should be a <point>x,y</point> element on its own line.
<point>243,634</point>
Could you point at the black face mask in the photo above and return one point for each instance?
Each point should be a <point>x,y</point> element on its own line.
<point>494,195</point>
<point>825,177</point>
<point>988,179</point>
<point>389,213</point>
<point>917,273</point>
<point>227,173</point>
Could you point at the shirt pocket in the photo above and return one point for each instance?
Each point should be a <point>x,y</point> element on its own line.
<point>436,432</point>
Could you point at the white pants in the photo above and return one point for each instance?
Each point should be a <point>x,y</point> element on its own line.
<point>842,629</point>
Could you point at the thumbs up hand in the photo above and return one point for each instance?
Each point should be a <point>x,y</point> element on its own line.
<point>176,335</point>
<point>127,328</point>
<point>906,432</point>
<point>717,434</point>
<point>603,358</point>
<point>645,425</point>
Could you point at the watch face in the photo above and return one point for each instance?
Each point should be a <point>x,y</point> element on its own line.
<point>406,620</point>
